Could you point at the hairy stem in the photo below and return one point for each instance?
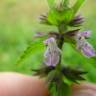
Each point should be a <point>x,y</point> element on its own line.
<point>61,29</point>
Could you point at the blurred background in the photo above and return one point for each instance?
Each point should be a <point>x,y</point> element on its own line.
<point>18,23</point>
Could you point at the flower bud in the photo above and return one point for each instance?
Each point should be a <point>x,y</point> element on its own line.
<point>77,21</point>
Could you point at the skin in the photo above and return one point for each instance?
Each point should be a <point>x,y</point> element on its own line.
<point>15,84</point>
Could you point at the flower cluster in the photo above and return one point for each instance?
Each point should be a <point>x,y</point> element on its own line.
<point>64,18</point>
<point>52,53</point>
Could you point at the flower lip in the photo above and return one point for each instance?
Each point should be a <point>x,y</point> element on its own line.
<point>49,40</point>
<point>85,34</point>
<point>85,47</point>
<point>88,50</point>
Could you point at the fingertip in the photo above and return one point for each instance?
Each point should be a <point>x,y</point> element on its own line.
<point>15,84</point>
<point>84,89</point>
<point>39,87</point>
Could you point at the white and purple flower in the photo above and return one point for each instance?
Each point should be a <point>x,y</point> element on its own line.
<point>52,53</point>
<point>85,34</point>
<point>82,44</point>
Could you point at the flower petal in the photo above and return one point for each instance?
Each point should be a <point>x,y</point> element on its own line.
<point>49,41</point>
<point>88,50</point>
<point>51,59</point>
<point>85,34</point>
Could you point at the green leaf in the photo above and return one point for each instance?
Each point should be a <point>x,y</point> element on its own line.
<point>58,87</point>
<point>92,61</point>
<point>30,50</point>
<point>52,17</point>
<point>51,3</point>
<point>53,89</point>
<point>65,3</point>
<point>56,17</point>
<point>66,15</point>
<point>66,90</point>
<point>77,5</point>
<point>63,89</point>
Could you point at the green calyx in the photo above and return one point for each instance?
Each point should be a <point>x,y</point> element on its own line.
<point>61,12</point>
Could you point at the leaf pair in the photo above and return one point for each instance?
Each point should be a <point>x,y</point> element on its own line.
<point>76,6</point>
<point>57,16</point>
<point>51,3</point>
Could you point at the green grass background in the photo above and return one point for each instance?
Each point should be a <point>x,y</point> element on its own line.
<point>18,23</point>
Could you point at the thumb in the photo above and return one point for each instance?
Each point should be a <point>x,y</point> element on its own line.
<point>15,84</point>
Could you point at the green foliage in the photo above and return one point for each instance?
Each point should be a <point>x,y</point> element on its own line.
<point>52,17</point>
<point>65,3</point>
<point>56,17</point>
<point>16,32</point>
<point>51,3</point>
<point>62,12</point>
<point>35,46</point>
<point>77,5</point>
<point>66,15</point>
<point>63,89</point>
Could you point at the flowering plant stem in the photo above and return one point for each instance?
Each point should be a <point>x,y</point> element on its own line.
<point>65,20</point>
<point>61,42</point>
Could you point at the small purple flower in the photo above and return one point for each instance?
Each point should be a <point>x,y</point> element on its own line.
<point>88,50</point>
<point>52,53</point>
<point>82,45</point>
<point>50,41</point>
<point>85,34</point>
